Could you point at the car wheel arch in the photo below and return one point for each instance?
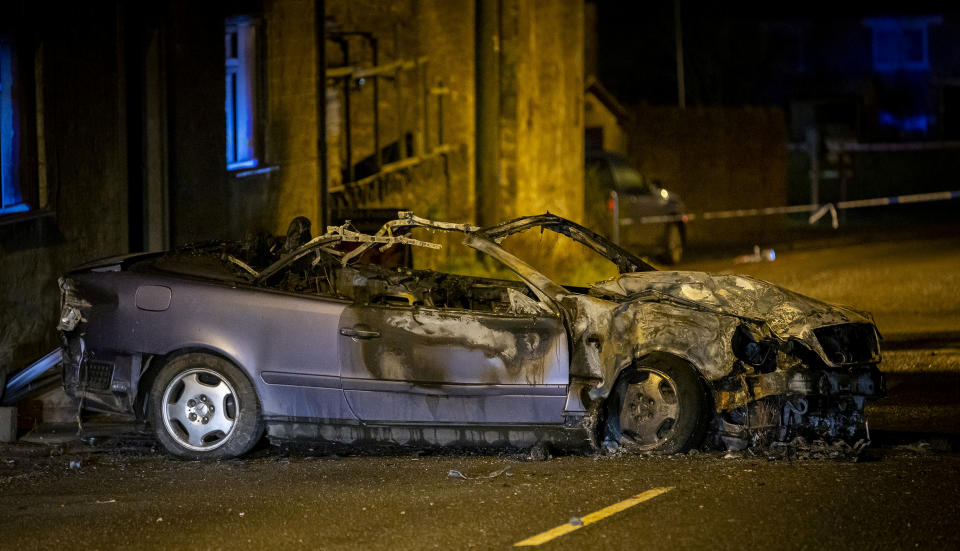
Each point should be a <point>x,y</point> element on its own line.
<point>155,363</point>
<point>653,359</point>
<point>659,357</point>
<point>656,359</point>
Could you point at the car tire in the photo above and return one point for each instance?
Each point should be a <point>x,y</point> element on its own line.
<point>204,407</point>
<point>672,245</point>
<point>659,408</point>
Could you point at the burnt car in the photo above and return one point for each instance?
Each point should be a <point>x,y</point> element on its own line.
<point>216,344</point>
<point>634,211</point>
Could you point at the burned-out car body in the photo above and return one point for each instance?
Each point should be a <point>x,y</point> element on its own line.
<point>314,342</point>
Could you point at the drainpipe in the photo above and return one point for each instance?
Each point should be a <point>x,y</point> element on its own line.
<point>487,82</point>
<point>323,216</point>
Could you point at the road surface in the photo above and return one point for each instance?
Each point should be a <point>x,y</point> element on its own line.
<point>903,493</point>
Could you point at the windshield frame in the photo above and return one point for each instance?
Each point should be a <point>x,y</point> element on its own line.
<point>485,240</point>
<point>625,261</point>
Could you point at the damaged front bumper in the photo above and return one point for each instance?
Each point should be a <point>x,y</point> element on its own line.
<point>755,409</point>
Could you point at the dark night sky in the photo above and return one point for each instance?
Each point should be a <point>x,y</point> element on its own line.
<point>723,63</point>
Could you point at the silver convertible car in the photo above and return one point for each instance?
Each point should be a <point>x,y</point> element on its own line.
<point>335,338</point>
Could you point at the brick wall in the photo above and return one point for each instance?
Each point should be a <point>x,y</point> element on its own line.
<point>716,158</point>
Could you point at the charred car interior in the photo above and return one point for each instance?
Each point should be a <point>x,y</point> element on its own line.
<point>339,338</point>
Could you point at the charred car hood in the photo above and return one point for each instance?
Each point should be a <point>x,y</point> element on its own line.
<point>786,313</point>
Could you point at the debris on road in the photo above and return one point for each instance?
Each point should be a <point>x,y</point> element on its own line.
<point>539,452</point>
<point>798,448</point>
<point>919,448</point>
<point>759,255</point>
<point>453,473</point>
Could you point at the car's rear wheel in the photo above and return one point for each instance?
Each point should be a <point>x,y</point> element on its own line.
<point>659,408</point>
<point>672,244</point>
<point>204,407</point>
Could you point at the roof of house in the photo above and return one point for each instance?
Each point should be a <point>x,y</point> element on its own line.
<point>593,86</point>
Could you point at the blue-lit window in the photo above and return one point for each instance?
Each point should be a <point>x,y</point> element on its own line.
<point>11,196</point>
<point>241,93</point>
<point>912,124</point>
<point>900,43</point>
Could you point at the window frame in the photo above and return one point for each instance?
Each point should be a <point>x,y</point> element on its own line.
<point>246,98</point>
<point>895,29</point>
<point>19,115</point>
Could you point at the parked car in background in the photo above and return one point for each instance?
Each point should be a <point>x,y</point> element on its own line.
<point>311,338</point>
<point>637,197</point>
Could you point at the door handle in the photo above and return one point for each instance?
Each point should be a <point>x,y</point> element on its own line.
<point>359,332</point>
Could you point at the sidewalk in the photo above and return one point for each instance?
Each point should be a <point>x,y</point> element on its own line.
<point>868,225</point>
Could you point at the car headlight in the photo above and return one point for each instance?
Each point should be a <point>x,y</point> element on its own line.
<point>749,350</point>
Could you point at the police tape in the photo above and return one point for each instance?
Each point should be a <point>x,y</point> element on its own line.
<point>817,210</point>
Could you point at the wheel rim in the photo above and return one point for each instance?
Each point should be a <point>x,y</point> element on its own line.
<point>200,409</point>
<point>650,409</point>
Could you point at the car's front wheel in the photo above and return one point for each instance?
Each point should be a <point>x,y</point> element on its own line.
<point>657,408</point>
<point>204,407</point>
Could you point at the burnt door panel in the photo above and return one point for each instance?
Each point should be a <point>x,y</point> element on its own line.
<point>426,365</point>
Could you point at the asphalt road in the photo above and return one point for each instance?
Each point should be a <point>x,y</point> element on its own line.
<point>903,493</point>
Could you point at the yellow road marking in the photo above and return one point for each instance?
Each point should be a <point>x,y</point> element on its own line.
<point>587,520</point>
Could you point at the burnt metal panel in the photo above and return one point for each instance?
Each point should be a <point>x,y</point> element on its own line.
<point>453,366</point>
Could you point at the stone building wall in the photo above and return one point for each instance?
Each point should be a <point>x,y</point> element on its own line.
<point>541,99</point>
<point>542,117</point>
<point>85,172</point>
<point>438,34</point>
<point>92,113</point>
<point>291,119</point>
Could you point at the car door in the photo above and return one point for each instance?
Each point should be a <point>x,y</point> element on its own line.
<point>422,365</point>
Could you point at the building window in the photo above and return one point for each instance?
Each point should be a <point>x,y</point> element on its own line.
<point>911,124</point>
<point>11,195</point>
<point>900,44</point>
<point>242,85</point>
